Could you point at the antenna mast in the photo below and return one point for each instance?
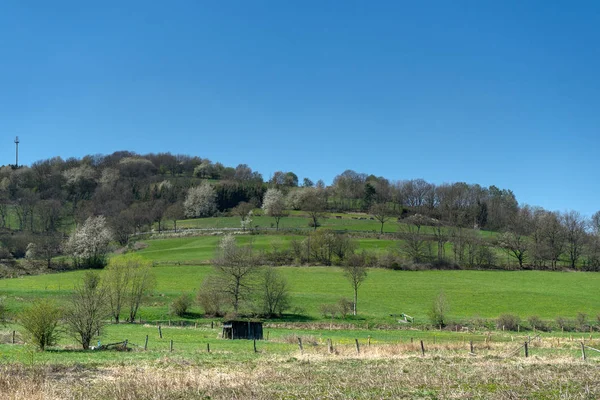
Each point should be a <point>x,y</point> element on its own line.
<point>17,152</point>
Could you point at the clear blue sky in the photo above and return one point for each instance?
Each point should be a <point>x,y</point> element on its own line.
<point>489,92</point>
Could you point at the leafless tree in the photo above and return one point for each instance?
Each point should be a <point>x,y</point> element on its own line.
<point>415,243</point>
<point>274,292</point>
<point>174,213</point>
<point>314,204</point>
<point>356,272</point>
<point>575,225</point>
<point>381,213</point>
<point>88,310</point>
<point>441,237</point>
<point>236,266</point>
<point>211,297</point>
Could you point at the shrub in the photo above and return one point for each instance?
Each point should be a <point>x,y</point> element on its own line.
<point>180,305</point>
<point>562,323</point>
<point>328,310</point>
<point>581,321</point>
<point>439,310</point>
<point>345,306</point>
<point>508,321</point>
<point>3,312</point>
<point>389,260</point>
<point>211,298</point>
<point>40,322</point>
<point>536,323</point>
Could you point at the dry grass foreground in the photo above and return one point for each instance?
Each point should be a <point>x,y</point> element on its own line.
<point>378,372</point>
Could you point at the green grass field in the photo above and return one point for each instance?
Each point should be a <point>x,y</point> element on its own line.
<point>471,293</point>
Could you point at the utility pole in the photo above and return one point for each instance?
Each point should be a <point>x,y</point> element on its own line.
<point>17,152</point>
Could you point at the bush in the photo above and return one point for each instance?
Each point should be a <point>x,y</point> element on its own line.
<point>40,322</point>
<point>3,312</point>
<point>328,310</point>
<point>345,306</point>
<point>562,323</point>
<point>581,321</point>
<point>180,305</point>
<point>211,298</point>
<point>439,310</point>
<point>536,323</point>
<point>389,260</point>
<point>510,322</point>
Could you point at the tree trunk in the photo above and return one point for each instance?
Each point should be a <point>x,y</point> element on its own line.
<point>355,300</point>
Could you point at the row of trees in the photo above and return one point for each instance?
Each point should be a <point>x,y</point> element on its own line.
<point>39,205</point>
<point>243,284</point>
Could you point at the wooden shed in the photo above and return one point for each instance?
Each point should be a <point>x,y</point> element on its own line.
<point>242,330</point>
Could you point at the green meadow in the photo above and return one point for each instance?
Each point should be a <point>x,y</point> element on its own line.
<point>471,294</point>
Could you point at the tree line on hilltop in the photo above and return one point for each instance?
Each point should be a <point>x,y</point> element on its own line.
<point>41,204</point>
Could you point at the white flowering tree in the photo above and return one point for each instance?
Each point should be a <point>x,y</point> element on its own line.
<point>201,201</point>
<point>89,243</point>
<point>274,205</point>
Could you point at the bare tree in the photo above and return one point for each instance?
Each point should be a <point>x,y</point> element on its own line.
<point>211,297</point>
<point>117,277</point>
<point>236,266</point>
<point>415,243</point>
<point>49,246</point>
<point>87,312</point>
<point>142,281</point>
<point>575,225</point>
<point>274,292</point>
<point>441,237</point>
<point>595,223</point>
<point>356,272</point>
<point>553,233</point>
<point>314,204</point>
<point>381,213</point>
<point>174,213</point>
<point>516,244</point>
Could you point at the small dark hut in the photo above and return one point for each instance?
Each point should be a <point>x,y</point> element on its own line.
<point>242,330</point>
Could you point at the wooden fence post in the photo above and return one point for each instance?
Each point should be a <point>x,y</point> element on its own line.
<point>171,345</point>
<point>212,324</point>
<point>583,351</point>
<point>357,346</point>
<point>472,349</point>
<point>300,345</point>
<point>208,347</point>
<point>159,332</point>
<point>329,346</point>
<point>369,340</point>
<point>255,346</point>
<point>422,348</point>
<point>146,343</point>
<point>526,350</point>
<point>411,340</point>
<point>13,337</point>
